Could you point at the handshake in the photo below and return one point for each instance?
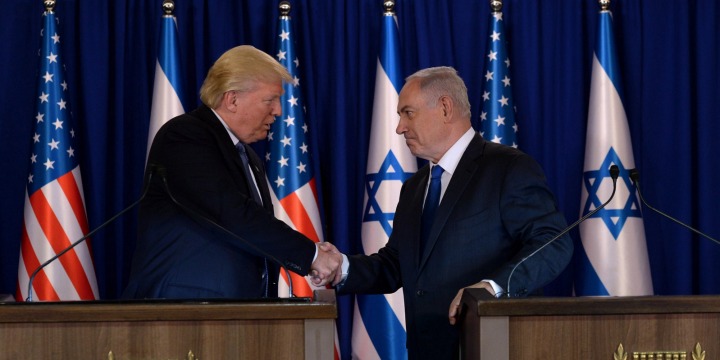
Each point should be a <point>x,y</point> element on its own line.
<point>327,267</point>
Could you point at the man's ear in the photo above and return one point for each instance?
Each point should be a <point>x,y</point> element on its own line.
<point>229,100</point>
<point>447,105</point>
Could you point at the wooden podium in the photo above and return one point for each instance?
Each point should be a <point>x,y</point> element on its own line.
<point>279,329</point>
<point>620,328</point>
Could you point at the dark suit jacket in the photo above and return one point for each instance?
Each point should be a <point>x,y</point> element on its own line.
<point>496,210</point>
<point>182,256</point>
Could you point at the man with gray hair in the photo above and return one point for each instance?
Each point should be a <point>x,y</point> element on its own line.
<point>464,220</point>
<point>213,176</point>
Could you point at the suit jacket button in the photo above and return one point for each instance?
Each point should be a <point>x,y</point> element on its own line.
<point>420,293</point>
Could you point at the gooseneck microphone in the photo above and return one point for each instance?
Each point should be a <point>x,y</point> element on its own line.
<point>635,177</point>
<point>162,172</point>
<point>614,172</point>
<point>151,170</point>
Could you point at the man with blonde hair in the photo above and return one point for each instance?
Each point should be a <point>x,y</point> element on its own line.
<point>212,175</point>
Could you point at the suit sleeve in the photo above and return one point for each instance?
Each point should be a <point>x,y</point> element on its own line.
<point>531,218</point>
<point>380,273</point>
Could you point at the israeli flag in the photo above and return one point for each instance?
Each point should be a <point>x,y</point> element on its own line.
<point>613,259</point>
<point>379,320</point>
<point>168,87</point>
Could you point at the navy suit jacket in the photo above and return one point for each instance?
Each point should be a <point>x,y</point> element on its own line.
<point>496,210</point>
<point>182,256</point>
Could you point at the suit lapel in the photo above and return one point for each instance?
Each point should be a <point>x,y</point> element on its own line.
<point>416,209</point>
<point>464,173</point>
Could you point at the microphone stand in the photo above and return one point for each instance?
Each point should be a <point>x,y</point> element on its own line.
<point>635,177</point>
<point>614,172</point>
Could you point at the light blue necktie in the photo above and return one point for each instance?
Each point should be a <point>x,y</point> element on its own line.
<point>432,200</point>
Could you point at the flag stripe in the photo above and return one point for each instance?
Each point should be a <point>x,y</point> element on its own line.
<point>58,240</point>
<point>297,211</point>
<point>607,56</point>
<point>169,53</point>
<point>301,288</point>
<point>383,327</point>
<point>56,276</point>
<point>30,262</point>
<point>389,61</point>
<point>72,194</point>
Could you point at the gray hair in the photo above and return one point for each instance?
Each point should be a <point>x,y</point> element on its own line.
<point>443,81</point>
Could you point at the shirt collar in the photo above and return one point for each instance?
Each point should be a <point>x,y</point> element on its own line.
<point>234,138</point>
<point>451,159</point>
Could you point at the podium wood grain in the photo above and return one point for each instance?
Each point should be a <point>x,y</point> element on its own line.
<point>161,330</point>
<point>587,328</point>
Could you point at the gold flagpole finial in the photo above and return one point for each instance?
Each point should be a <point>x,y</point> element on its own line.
<point>496,5</point>
<point>49,5</point>
<point>389,7</point>
<point>285,8</point>
<point>604,5</point>
<point>168,7</point>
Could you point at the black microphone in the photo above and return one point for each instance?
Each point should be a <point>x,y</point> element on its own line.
<point>614,172</point>
<point>162,172</point>
<point>150,171</point>
<point>635,177</point>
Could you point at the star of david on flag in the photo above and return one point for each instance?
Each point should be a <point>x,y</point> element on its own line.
<point>497,119</point>
<point>614,219</point>
<point>613,259</point>
<point>390,171</point>
<point>54,214</point>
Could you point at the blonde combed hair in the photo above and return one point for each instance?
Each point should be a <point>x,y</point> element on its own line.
<point>240,69</point>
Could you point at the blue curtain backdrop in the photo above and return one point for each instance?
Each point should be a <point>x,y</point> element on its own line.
<point>668,53</point>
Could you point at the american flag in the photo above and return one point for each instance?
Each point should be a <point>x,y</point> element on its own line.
<point>168,86</point>
<point>54,202</point>
<point>379,322</point>
<point>497,119</point>
<point>289,164</point>
<point>613,259</point>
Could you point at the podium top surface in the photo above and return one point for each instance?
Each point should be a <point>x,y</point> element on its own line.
<point>169,310</point>
<point>481,303</point>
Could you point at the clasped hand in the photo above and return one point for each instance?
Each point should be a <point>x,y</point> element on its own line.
<point>327,267</point>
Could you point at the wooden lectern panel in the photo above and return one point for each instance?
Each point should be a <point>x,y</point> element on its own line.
<point>161,330</point>
<point>656,327</point>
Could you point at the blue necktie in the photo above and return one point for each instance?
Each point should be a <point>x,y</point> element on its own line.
<point>432,200</point>
<point>256,196</point>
